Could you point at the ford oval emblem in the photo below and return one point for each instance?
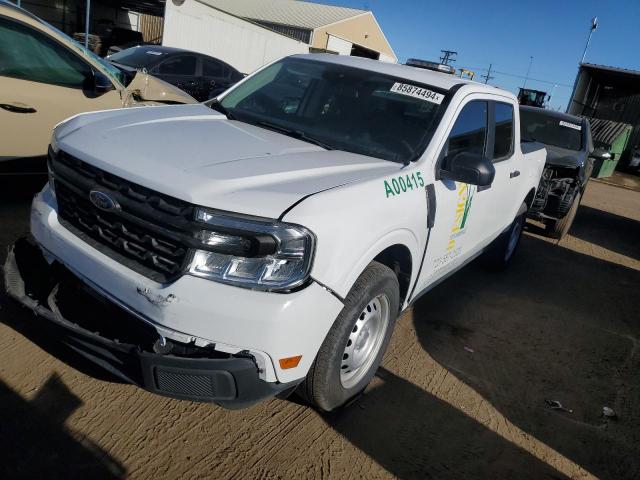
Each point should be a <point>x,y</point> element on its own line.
<point>102,200</point>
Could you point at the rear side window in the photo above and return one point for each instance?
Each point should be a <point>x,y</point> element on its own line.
<point>34,57</point>
<point>469,133</point>
<point>503,144</point>
<point>211,68</point>
<point>182,65</point>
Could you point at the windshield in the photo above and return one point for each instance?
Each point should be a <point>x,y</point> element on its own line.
<point>549,129</point>
<point>113,72</point>
<point>339,107</point>
<point>137,57</point>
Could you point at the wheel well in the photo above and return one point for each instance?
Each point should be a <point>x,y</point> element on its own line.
<point>529,198</point>
<point>398,259</point>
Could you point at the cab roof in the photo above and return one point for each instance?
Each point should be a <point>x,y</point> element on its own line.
<point>552,113</point>
<point>443,81</point>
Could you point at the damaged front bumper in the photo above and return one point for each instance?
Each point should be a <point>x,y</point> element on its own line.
<point>88,323</point>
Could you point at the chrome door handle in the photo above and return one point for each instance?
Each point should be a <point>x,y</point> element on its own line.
<point>17,108</point>
<point>514,174</point>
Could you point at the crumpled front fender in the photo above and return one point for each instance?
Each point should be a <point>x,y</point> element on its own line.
<point>151,89</point>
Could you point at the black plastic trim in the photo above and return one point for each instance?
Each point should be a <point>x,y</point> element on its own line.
<point>430,192</point>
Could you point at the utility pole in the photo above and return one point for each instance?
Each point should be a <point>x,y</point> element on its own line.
<point>552,91</point>
<point>448,56</point>
<point>594,25</point>
<point>526,77</point>
<point>488,76</point>
<point>86,24</point>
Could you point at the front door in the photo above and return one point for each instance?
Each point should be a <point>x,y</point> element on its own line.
<point>456,228</point>
<point>468,217</point>
<point>42,83</point>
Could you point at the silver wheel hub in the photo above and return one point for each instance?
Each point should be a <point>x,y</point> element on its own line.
<point>365,341</point>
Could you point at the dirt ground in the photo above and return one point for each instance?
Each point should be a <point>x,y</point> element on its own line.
<point>461,393</point>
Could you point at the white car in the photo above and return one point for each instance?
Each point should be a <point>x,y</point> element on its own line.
<point>267,241</point>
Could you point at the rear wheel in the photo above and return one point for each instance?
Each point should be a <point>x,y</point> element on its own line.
<point>501,251</point>
<point>355,345</point>
<point>559,228</point>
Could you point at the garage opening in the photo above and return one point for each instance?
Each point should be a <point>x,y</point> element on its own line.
<point>359,51</point>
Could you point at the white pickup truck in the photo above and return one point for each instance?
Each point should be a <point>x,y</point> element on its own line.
<point>266,241</point>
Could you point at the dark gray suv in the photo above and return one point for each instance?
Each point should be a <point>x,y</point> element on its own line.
<point>570,158</point>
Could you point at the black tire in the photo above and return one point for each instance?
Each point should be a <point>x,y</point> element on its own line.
<point>559,228</point>
<point>323,387</point>
<point>499,254</point>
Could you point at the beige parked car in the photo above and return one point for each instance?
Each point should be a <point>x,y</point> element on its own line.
<point>45,77</point>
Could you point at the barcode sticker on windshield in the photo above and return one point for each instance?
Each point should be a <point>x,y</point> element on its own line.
<point>417,92</point>
<point>570,125</point>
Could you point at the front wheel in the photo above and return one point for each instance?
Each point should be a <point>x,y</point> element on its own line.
<point>501,251</point>
<point>354,347</point>
<point>559,228</point>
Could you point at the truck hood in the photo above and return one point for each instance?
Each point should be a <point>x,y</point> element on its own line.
<point>561,157</point>
<point>151,89</point>
<point>195,154</point>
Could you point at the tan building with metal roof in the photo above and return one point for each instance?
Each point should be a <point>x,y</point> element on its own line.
<point>346,31</point>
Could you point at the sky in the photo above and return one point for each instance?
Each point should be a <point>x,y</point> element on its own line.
<point>506,33</point>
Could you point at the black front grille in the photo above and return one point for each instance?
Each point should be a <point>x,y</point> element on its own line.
<point>149,232</point>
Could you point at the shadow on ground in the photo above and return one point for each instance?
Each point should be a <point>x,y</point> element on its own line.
<point>613,232</point>
<point>414,435</point>
<point>35,443</point>
<point>558,325</point>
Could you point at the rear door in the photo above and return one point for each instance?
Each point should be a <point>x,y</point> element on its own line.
<point>42,82</point>
<point>180,70</point>
<point>507,186</point>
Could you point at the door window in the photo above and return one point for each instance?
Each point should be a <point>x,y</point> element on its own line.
<point>36,58</point>
<point>182,65</point>
<point>503,144</point>
<point>469,133</point>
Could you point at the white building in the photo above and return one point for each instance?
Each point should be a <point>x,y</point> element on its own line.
<point>244,33</point>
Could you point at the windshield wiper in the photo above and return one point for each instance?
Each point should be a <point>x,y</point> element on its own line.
<point>217,106</point>
<point>299,134</point>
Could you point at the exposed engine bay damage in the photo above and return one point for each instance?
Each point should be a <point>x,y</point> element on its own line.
<point>556,193</point>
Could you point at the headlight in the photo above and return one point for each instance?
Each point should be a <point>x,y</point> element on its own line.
<point>251,253</point>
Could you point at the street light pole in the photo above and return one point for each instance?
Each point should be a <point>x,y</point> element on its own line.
<point>86,25</point>
<point>526,77</point>
<point>594,26</point>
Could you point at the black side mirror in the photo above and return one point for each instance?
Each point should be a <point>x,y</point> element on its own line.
<point>601,154</point>
<point>469,168</point>
<point>98,84</point>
